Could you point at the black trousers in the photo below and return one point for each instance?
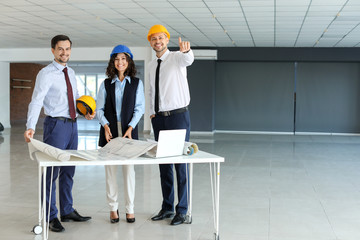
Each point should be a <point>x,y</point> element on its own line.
<point>175,121</point>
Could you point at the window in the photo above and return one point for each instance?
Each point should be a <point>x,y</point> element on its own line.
<point>88,84</point>
<point>80,82</point>
<point>101,78</point>
<point>91,85</point>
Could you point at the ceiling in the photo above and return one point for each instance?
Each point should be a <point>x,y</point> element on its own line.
<point>205,23</point>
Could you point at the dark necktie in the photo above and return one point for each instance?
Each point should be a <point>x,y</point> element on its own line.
<point>157,86</point>
<point>70,95</point>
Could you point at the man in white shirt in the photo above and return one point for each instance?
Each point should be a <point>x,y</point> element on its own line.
<point>55,90</point>
<point>169,101</point>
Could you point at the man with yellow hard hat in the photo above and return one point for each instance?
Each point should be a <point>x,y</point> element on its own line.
<point>56,91</point>
<point>169,101</point>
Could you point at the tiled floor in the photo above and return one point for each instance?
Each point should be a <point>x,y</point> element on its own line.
<point>273,187</point>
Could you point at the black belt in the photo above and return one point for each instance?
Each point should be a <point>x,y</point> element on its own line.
<point>172,112</point>
<point>64,119</point>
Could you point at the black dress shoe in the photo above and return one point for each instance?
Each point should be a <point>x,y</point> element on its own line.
<point>115,220</point>
<point>74,216</point>
<point>130,220</point>
<point>56,226</point>
<point>162,215</point>
<point>178,219</point>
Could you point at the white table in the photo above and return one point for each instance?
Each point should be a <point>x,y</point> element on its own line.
<point>45,161</point>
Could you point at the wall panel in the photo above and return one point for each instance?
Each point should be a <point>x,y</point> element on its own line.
<point>328,97</point>
<point>201,78</point>
<point>254,96</point>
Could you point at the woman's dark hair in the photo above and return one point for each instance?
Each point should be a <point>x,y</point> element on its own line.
<point>111,71</point>
<point>59,38</point>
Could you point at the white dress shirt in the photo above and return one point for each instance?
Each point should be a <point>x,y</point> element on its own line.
<point>173,85</point>
<point>50,92</point>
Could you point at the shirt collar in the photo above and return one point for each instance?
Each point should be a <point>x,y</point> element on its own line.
<point>58,65</point>
<point>117,79</point>
<point>164,56</point>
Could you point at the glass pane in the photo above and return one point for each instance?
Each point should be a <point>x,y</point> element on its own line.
<point>87,142</point>
<point>80,84</point>
<point>91,85</point>
<point>101,78</point>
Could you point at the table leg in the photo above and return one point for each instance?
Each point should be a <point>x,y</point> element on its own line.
<point>217,196</point>
<point>39,193</point>
<point>45,230</point>
<point>215,192</point>
<point>189,214</point>
<point>38,228</point>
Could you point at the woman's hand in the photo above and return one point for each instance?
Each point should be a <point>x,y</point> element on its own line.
<point>128,132</point>
<point>108,135</point>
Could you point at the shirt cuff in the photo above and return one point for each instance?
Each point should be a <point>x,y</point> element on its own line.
<point>104,123</point>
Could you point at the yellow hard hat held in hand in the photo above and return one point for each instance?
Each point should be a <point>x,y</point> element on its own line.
<point>85,104</point>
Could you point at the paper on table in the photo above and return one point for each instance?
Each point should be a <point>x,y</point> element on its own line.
<point>117,149</point>
<point>36,145</point>
<point>128,148</point>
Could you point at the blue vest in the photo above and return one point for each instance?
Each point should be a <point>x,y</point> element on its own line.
<point>127,109</point>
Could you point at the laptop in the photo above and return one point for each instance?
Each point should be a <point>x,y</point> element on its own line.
<point>171,143</point>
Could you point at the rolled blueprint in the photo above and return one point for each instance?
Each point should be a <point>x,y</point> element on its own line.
<point>190,148</point>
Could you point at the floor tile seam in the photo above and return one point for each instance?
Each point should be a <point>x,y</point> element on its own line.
<point>328,219</point>
<point>323,208</point>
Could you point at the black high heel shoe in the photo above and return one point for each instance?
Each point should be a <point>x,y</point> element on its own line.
<point>130,220</point>
<point>115,220</point>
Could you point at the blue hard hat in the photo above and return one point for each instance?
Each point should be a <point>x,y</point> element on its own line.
<point>121,49</point>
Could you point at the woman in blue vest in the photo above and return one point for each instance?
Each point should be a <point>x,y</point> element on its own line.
<point>120,105</point>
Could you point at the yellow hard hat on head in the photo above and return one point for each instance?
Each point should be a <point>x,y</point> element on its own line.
<point>85,104</point>
<point>157,29</point>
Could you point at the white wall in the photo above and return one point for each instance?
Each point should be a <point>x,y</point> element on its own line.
<point>44,54</point>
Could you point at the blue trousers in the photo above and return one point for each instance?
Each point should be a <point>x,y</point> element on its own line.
<point>176,121</point>
<point>63,135</point>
